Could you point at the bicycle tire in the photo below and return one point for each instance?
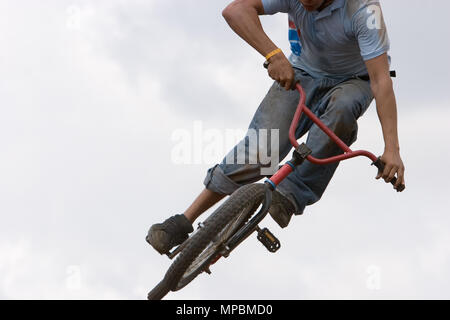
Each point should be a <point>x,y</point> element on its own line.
<point>159,291</point>
<point>243,198</point>
<point>212,250</point>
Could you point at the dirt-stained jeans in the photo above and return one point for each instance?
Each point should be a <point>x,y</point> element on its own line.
<point>338,103</point>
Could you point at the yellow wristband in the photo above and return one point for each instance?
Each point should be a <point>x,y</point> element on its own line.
<point>274,52</point>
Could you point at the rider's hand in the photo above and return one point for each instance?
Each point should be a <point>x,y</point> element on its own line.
<point>393,165</point>
<point>280,70</point>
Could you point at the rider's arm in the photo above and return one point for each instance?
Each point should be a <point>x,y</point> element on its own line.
<point>383,92</point>
<point>242,17</point>
<point>370,30</point>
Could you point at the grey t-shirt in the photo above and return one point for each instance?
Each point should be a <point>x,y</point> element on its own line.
<point>336,41</point>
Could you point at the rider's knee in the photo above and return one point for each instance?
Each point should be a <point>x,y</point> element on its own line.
<point>342,115</point>
<point>343,109</point>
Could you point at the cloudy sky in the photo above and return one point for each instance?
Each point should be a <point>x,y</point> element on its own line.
<point>91,93</point>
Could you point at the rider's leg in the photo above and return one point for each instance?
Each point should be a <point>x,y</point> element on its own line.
<point>275,112</point>
<point>205,200</point>
<point>339,109</point>
<point>249,161</point>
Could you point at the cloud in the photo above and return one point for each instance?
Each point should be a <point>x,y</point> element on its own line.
<point>88,110</point>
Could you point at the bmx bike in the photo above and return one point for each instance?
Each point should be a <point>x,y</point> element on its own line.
<point>239,216</point>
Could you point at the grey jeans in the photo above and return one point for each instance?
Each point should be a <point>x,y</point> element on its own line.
<point>338,103</point>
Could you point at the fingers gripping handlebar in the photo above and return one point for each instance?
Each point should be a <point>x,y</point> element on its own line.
<point>380,165</point>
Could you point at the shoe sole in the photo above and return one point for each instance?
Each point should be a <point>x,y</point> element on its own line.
<point>155,237</point>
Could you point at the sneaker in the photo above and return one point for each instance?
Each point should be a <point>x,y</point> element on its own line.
<point>172,232</point>
<point>281,209</point>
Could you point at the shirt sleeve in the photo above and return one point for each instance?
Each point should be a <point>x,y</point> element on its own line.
<point>370,31</point>
<point>274,6</point>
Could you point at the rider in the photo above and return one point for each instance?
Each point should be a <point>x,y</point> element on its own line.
<point>339,55</point>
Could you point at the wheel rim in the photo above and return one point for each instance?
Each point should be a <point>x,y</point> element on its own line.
<point>210,252</point>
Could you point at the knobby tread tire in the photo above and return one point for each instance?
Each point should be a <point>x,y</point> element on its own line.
<point>243,197</point>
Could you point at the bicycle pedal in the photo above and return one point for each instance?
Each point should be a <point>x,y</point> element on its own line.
<point>268,240</point>
<point>200,225</point>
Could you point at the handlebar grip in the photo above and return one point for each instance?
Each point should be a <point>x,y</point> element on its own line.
<point>380,165</point>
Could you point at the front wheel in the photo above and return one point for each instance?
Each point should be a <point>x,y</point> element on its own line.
<point>205,244</point>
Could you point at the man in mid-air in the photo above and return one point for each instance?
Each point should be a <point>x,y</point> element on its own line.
<point>339,54</point>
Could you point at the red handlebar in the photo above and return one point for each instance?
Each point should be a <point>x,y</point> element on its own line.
<point>348,153</point>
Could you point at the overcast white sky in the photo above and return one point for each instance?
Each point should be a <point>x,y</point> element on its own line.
<point>90,94</point>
